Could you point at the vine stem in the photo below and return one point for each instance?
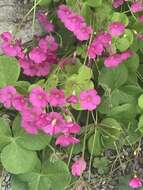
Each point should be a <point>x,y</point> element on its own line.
<point>85,136</point>
<point>34,16</point>
<point>91,156</point>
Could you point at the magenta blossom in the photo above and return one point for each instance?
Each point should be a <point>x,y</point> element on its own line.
<point>117,3</point>
<point>6,36</point>
<point>71,128</point>
<point>38,97</point>
<point>48,27</point>
<point>65,141</point>
<point>74,22</point>
<point>72,99</point>
<point>57,97</point>
<point>10,47</point>
<point>30,116</point>
<point>116,28</point>
<point>19,102</point>
<point>37,55</point>
<point>34,69</point>
<point>78,167</point>
<point>6,95</point>
<point>113,61</point>
<point>135,183</point>
<point>141,18</point>
<point>54,123</point>
<point>137,7</point>
<point>89,99</point>
<point>48,43</point>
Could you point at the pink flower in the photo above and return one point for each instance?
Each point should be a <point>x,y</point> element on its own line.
<point>72,99</point>
<point>63,12</point>
<point>113,61</point>
<point>37,55</point>
<point>6,95</point>
<point>65,141</point>
<point>89,99</point>
<point>125,55</point>
<point>78,167</point>
<point>48,43</point>
<point>74,22</point>
<point>136,7</point>
<point>98,45</point>
<point>96,48</point>
<point>104,38</point>
<point>54,123</point>
<point>48,27</point>
<point>116,28</point>
<point>141,18</point>
<point>57,97</point>
<point>34,69</point>
<point>117,3</point>
<point>135,183</point>
<point>19,102</point>
<point>83,32</point>
<point>71,128</point>
<point>38,97</point>
<point>11,48</point>
<point>30,117</point>
<point>6,37</point>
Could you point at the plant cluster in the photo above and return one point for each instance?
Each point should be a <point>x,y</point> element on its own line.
<point>75,91</point>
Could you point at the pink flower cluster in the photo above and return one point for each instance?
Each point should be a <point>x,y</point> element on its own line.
<point>114,60</point>
<point>74,22</point>
<point>137,6</point>
<point>98,45</point>
<point>47,26</point>
<point>135,183</point>
<point>11,47</point>
<point>103,41</point>
<point>39,60</point>
<point>116,28</point>
<point>34,116</point>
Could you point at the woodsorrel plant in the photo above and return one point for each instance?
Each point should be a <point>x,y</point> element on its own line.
<point>76,91</point>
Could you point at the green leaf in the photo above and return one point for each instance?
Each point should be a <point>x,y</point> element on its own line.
<point>5,133</point>
<point>124,112</point>
<point>113,78</point>
<point>84,73</point>
<point>132,133</point>
<point>140,101</point>
<point>120,17</point>
<point>9,71</point>
<point>94,3</point>
<point>53,176</point>
<point>22,87</point>
<point>132,63</point>
<point>57,172</point>
<point>51,82</point>
<point>101,164</point>
<point>140,124</point>
<point>94,143</point>
<point>16,184</point>
<point>123,183</point>
<point>18,160</point>
<point>44,3</point>
<point>33,142</point>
